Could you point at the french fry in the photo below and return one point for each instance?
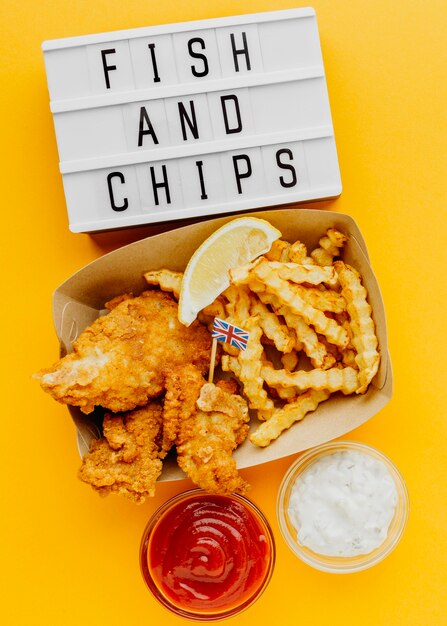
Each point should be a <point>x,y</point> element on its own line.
<point>364,338</point>
<point>335,379</point>
<point>297,253</point>
<point>216,308</point>
<point>243,274</point>
<point>286,393</point>
<point>281,288</point>
<point>283,339</point>
<point>329,247</point>
<point>308,338</point>
<point>290,360</point>
<point>279,251</point>
<point>248,368</point>
<point>239,303</point>
<point>334,351</point>
<point>342,317</point>
<point>283,251</point>
<point>237,310</point>
<point>349,353</point>
<point>167,280</point>
<point>324,300</point>
<point>230,363</point>
<point>348,358</point>
<point>228,314</point>
<point>311,274</point>
<point>288,415</point>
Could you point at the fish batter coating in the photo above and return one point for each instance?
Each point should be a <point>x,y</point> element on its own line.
<point>126,460</point>
<point>206,422</point>
<point>121,360</point>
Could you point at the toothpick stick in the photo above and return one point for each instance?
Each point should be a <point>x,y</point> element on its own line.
<point>213,358</point>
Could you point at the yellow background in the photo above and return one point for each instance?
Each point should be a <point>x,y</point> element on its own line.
<point>70,557</point>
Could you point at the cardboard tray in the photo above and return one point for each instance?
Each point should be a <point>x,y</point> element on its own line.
<point>80,300</point>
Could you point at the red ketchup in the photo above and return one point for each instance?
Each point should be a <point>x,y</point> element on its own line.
<point>208,554</point>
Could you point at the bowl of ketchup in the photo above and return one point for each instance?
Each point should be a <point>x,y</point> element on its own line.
<point>207,557</point>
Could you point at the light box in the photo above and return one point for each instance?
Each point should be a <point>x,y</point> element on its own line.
<point>191,119</point>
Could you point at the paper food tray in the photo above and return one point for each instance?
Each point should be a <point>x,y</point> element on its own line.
<point>80,299</point>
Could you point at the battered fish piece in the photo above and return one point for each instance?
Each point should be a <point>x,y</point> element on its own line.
<point>126,460</point>
<point>206,422</point>
<point>121,360</point>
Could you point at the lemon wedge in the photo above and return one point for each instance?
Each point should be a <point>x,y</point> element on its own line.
<point>207,273</point>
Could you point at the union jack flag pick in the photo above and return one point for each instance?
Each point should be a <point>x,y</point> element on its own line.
<point>229,333</point>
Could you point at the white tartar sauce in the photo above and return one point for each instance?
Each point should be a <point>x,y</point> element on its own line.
<point>343,504</point>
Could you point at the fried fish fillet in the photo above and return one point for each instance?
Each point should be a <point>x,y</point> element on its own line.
<point>126,460</point>
<point>121,360</point>
<point>206,422</point>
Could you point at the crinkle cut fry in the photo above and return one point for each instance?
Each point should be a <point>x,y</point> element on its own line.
<point>311,274</point>
<point>279,333</point>
<point>288,415</point>
<point>324,300</point>
<point>285,393</point>
<point>364,337</point>
<point>329,247</point>
<point>335,379</point>
<point>290,360</point>
<point>316,351</point>
<point>284,291</point>
<point>307,337</point>
<point>284,252</point>
<point>237,310</point>
<point>243,274</point>
<point>231,364</point>
<point>247,367</point>
<point>297,253</point>
<point>250,361</point>
<point>348,358</point>
<point>239,304</point>
<point>279,251</point>
<point>167,280</point>
<point>348,354</point>
<point>216,308</point>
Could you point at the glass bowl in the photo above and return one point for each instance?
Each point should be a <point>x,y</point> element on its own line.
<point>341,564</point>
<point>175,524</point>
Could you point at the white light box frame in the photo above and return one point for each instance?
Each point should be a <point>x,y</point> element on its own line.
<point>191,119</point>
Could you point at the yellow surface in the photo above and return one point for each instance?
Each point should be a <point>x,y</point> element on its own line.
<point>70,557</point>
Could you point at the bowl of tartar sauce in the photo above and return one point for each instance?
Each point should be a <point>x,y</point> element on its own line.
<point>342,507</point>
